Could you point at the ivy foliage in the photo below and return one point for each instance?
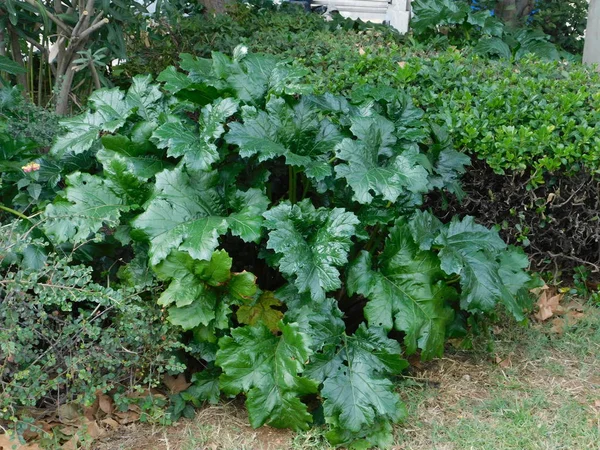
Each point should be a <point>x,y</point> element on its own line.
<point>267,211</point>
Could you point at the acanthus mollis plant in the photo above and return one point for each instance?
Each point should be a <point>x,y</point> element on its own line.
<point>289,234</point>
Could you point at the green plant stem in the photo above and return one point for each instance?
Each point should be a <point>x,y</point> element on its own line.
<point>306,186</point>
<point>373,237</point>
<point>292,184</point>
<point>31,75</point>
<point>14,212</point>
<point>40,94</point>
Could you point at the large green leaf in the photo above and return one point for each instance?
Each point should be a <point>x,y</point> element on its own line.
<point>358,393</point>
<point>249,76</point>
<point>430,14</point>
<point>473,252</point>
<point>90,203</point>
<point>83,133</point>
<point>205,387</point>
<point>494,46</point>
<point>311,243</point>
<point>142,96</point>
<point>375,166</point>
<point>264,309</point>
<point>199,291</point>
<point>407,292</point>
<point>9,66</point>
<point>186,212</point>
<point>536,42</point>
<point>197,146</point>
<point>174,81</point>
<point>110,110</point>
<point>112,107</point>
<point>447,164</point>
<point>295,133</point>
<point>268,368</point>
<point>322,321</point>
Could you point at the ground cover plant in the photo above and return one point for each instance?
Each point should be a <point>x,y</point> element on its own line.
<point>288,233</point>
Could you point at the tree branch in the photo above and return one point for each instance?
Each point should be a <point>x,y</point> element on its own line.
<point>32,41</point>
<point>95,76</point>
<point>93,28</point>
<point>52,17</point>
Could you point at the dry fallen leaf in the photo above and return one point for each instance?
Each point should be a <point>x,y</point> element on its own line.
<point>94,430</point>
<point>504,363</point>
<point>69,430</point>
<point>89,412</point>
<point>570,318</point>
<point>361,51</point>
<point>176,384</point>
<point>127,417</point>
<point>548,303</point>
<point>105,403</point>
<point>71,444</point>
<point>402,64</point>
<point>110,422</point>
<point>68,413</point>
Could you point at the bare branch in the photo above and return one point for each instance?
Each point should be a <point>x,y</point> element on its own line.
<point>95,76</point>
<point>98,18</point>
<point>93,28</point>
<point>33,42</point>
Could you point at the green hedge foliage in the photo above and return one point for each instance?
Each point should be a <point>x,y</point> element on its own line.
<point>535,116</point>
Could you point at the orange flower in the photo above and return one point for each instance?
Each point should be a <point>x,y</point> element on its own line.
<point>31,167</point>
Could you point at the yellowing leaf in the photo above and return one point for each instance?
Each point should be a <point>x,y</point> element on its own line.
<point>262,311</point>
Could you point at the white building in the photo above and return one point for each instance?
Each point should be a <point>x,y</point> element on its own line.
<point>394,12</point>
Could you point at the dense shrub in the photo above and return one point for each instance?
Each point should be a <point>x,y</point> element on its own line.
<point>536,121</point>
<point>287,32</point>
<point>64,337</point>
<point>288,231</point>
<point>564,22</point>
<point>536,116</point>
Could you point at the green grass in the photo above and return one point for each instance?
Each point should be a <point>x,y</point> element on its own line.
<point>543,399</point>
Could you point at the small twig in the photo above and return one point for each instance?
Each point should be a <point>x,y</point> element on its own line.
<point>576,259</point>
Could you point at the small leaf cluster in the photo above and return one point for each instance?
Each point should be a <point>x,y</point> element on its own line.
<point>288,231</point>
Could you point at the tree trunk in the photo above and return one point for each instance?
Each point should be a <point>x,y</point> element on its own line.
<point>591,48</point>
<point>62,101</point>
<point>2,43</point>
<point>15,49</point>
<point>215,6</point>
<point>513,12</point>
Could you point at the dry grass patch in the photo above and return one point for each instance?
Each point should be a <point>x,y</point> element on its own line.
<point>222,427</point>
